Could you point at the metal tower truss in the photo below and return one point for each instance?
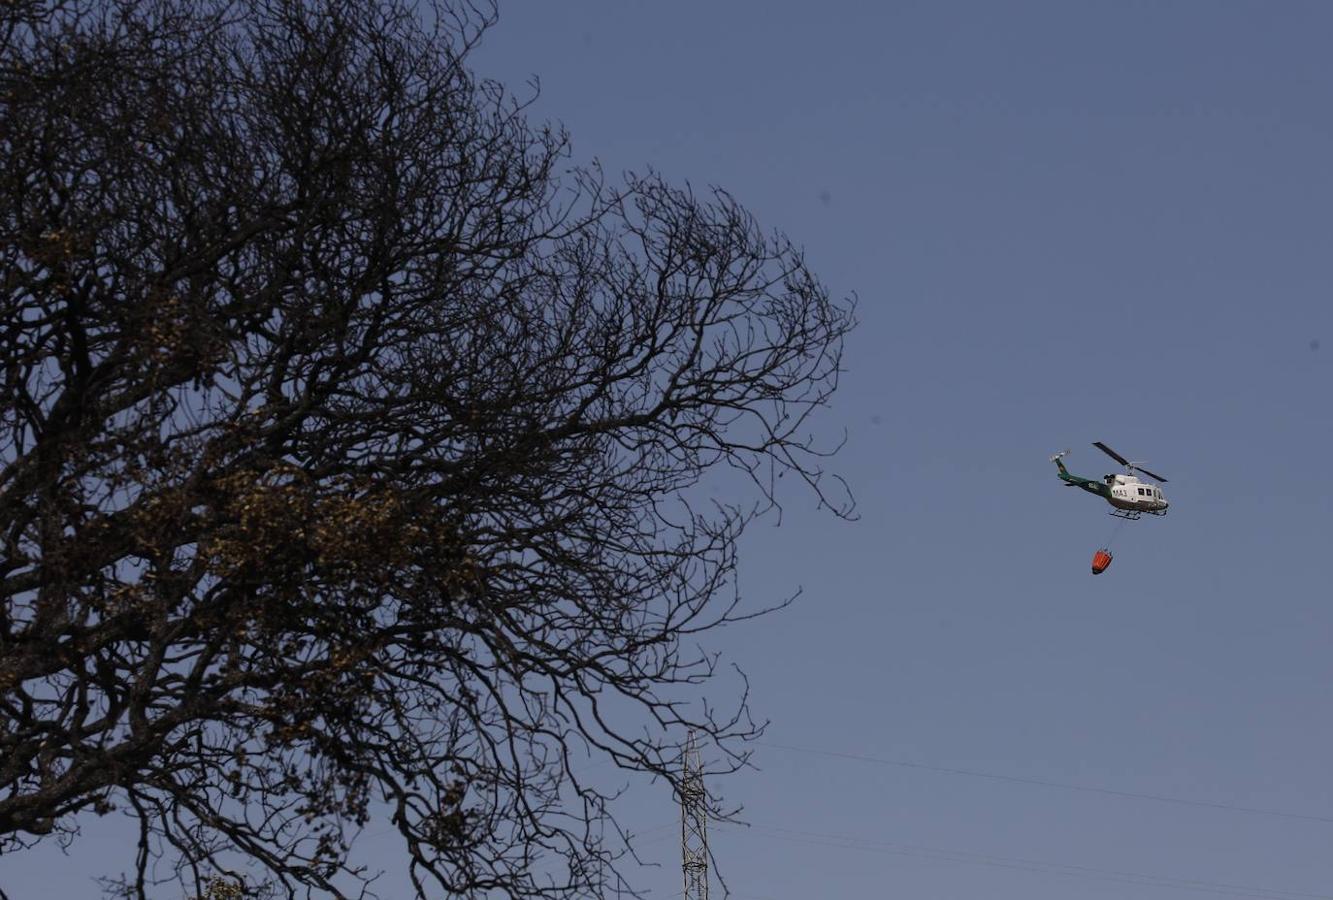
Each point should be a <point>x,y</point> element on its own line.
<point>694,823</point>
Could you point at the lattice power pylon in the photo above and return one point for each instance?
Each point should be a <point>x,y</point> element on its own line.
<point>694,823</point>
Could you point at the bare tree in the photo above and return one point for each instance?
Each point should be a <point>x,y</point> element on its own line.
<point>352,443</point>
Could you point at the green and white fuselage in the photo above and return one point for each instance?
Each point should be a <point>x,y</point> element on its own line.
<point>1125,492</point>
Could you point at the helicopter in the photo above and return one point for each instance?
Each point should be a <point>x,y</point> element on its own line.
<point>1129,497</point>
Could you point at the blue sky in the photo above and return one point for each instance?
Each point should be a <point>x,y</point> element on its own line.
<point>1065,222</point>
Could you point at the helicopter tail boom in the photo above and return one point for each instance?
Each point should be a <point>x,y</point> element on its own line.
<point>1090,485</point>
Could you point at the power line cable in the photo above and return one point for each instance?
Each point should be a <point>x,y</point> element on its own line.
<point>852,842</point>
<point>1062,785</point>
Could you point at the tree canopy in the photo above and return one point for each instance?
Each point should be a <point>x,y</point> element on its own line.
<point>351,445</point>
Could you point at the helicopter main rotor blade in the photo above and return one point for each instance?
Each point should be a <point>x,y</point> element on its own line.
<point>1149,474</point>
<point>1111,453</point>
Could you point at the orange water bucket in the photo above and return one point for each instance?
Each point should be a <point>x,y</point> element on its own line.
<point>1100,560</point>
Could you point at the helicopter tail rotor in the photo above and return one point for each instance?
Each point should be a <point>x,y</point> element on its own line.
<point>1058,456</point>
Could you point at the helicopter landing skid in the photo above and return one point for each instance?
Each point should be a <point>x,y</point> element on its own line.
<point>1133,515</point>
